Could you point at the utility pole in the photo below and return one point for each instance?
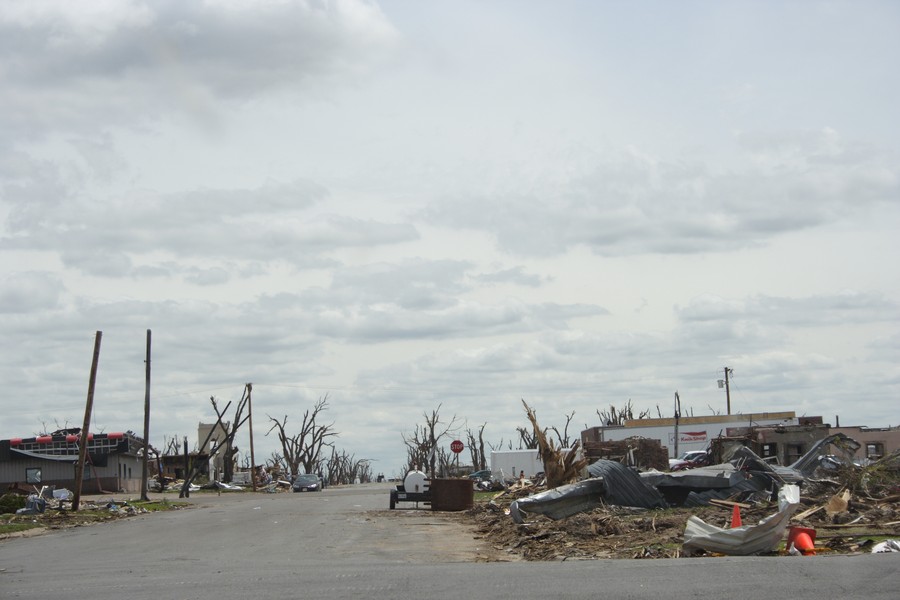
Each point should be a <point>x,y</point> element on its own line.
<point>83,442</point>
<point>727,390</point>
<point>677,417</point>
<point>250,419</point>
<point>144,469</point>
<point>186,490</point>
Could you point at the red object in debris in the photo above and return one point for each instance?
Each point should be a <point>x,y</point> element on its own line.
<point>15,441</point>
<point>803,539</point>
<point>44,439</point>
<point>115,436</point>
<point>71,438</point>
<point>736,517</point>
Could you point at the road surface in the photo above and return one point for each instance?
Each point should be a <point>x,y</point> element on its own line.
<point>343,543</point>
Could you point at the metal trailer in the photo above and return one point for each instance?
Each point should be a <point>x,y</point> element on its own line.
<point>415,488</point>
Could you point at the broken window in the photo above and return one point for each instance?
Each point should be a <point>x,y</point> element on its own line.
<point>769,450</point>
<point>794,452</point>
<point>874,450</point>
<point>33,475</point>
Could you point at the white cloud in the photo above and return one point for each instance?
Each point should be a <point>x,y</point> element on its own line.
<point>406,205</point>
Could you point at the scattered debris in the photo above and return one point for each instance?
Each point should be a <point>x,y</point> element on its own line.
<point>747,539</point>
<point>612,483</point>
<point>853,507</point>
<point>886,546</point>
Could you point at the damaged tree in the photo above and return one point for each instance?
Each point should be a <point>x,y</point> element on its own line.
<point>561,466</point>
<point>421,446</point>
<point>618,417</point>
<point>228,442</point>
<point>345,468</point>
<point>231,430</point>
<point>476,448</point>
<point>304,449</point>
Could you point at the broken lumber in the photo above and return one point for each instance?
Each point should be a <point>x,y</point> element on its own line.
<point>807,513</point>
<point>729,504</point>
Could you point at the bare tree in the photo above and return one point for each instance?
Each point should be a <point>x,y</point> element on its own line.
<point>527,438</point>
<point>231,429</point>
<point>228,442</point>
<point>618,417</point>
<point>563,438</point>
<point>304,449</point>
<point>476,447</point>
<point>422,445</point>
<point>345,468</point>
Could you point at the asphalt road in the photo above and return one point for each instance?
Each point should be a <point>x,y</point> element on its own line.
<point>343,543</point>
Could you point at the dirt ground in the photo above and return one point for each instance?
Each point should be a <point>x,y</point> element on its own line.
<point>617,532</point>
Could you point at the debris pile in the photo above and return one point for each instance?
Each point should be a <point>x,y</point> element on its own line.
<point>849,508</point>
<point>636,451</point>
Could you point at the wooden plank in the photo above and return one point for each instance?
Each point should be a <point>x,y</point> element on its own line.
<point>807,513</point>
<point>729,503</point>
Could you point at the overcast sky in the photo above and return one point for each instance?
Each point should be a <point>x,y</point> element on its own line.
<point>409,204</point>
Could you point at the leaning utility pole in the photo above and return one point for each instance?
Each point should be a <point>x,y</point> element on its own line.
<point>727,390</point>
<point>144,469</point>
<point>83,442</point>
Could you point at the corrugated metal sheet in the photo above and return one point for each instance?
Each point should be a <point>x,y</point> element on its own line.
<point>612,483</point>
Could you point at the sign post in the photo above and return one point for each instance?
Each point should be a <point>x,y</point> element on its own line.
<point>457,446</point>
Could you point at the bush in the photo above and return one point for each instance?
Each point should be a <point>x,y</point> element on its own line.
<point>10,503</point>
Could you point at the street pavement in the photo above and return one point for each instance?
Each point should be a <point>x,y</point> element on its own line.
<point>344,543</point>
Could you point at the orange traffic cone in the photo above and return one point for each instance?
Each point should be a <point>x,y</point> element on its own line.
<point>804,544</point>
<point>803,539</point>
<point>736,517</point>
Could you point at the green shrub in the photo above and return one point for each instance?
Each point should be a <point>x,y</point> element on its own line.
<point>10,503</point>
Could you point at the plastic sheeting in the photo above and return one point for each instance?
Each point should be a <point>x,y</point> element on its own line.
<point>746,540</point>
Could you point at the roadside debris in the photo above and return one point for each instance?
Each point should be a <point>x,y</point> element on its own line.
<point>747,539</point>
<point>886,546</point>
<point>846,504</point>
<point>612,483</point>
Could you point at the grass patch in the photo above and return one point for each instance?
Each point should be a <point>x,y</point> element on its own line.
<point>484,496</point>
<point>7,528</point>
<point>158,505</point>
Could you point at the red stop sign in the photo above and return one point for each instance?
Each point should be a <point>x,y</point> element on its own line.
<point>457,446</point>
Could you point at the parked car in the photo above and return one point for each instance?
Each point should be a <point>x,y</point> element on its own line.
<point>480,475</point>
<point>689,460</point>
<point>308,482</point>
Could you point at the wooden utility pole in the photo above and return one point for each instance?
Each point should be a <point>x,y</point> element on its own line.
<point>727,391</point>
<point>144,469</point>
<point>677,417</point>
<point>186,490</point>
<point>82,446</point>
<point>250,421</point>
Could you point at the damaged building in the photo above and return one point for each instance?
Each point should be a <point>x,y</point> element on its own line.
<point>113,461</point>
<point>697,433</point>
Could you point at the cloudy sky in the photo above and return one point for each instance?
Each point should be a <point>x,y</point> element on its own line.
<point>409,204</point>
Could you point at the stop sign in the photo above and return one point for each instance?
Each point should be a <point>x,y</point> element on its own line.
<point>457,446</point>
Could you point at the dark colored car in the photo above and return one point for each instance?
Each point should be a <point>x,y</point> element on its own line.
<point>480,475</point>
<point>308,482</point>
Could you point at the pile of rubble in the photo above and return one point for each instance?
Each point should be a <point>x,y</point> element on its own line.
<point>732,508</point>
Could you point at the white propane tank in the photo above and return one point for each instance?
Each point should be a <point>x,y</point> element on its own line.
<point>415,482</point>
